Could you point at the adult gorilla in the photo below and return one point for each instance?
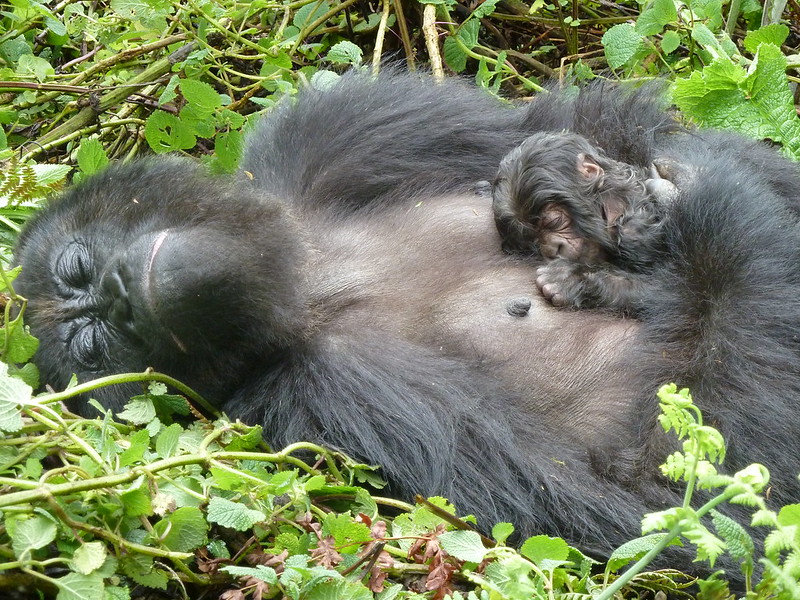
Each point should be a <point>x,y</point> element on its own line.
<point>348,287</point>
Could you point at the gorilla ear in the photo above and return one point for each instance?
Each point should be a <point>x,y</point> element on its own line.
<point>589,169</point>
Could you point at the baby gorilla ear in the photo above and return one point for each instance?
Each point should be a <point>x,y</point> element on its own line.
<point>589,169</point>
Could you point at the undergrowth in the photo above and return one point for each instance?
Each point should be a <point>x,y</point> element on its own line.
<point>169,500</point>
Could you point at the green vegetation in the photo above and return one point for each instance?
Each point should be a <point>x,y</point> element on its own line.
<point>95,509</point>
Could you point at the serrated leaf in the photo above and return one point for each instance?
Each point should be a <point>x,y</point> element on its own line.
<point>541,547</point>
<point>233,514</point>
<point>454,56</point>
<point>633,550</point>
<point>137,501</point>
<point>164,132</point>
<point>740,544</point>
<point>305,15</point>
<point>770,34</point>
<point>621,43</point>
<point>345,53</point>
<point>468,33</point>
<point>167,441</point>
<point>670,42</point>
<point>140,568</point>
<point>91,156</point>
<point>464,545</point>
<point>501,532</point>
<point>203,98</point>
<point>757,102</point>
<point>139,411</point>
<point>76,586</point>
<point>21,344</point>
<point>139,442</point>
<point>32,534</point>
<point>260,572</point>
<point>653,19</point>
<point>486,8</point>
<point>185,529</point>
<point>789,515</point>
<point>13,393</point>
<point>89,557</point>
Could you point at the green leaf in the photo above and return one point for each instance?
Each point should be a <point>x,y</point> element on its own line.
<point>141,569</point>
<point>89,557</point>
<point>468,33</point>
<point>136,500</point>
<point>139,411</point>
<point>656,16</point>
<point>789,515</point>
<point>167,441</point>
<point>738,541</point>
<point>633,550</point>
<point>346,533</point>
<point>233,514</point>
<point>185,529</point>
<point>203,98</point>
<point>91,156</point>
<point>454,56</point>
<point>670,42</point>
<point>621,43</point>
<point>30,65</point>
<point>757,102</point>
<point>260,572</point>
<point>32,534</point>
<point>139,441</point>
<point>164,132</point>
<point>542,547</point>
<point>770,34</point>
<point>76,586</point>
<point>21,344</point>
<point>13,392</point>
<point>501,531</point>
<point>305,15</point>
<point>486,8</point>
<point>464,545</point>
<point>345,53</point>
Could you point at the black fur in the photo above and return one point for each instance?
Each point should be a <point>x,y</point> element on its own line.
<point>355,294</point>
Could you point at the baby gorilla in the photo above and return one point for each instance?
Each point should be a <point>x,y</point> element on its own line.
<point>597,221</point>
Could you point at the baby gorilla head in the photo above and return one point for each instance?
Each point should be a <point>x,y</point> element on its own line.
<point>559,195</point>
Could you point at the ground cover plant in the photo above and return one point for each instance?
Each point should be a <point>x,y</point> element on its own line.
<point>169,500</point>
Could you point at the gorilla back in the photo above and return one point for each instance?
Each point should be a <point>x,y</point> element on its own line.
<point>349,289</point>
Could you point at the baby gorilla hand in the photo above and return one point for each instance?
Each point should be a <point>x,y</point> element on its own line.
<point>566,283</point>
<point>561,282</point>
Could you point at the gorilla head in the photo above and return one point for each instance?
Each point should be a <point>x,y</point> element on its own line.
<point>349,288</point>
<point>154,265</point>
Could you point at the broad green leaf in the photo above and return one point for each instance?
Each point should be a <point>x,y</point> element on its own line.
<point>464,545</point>
<point>670,42</point>
<point>501,531</point>
<point>91,156</point>
<point>345,53</point>
<point>13,392</point>
<point>233,514</point>
<point>185,529</point>
<point>454,56</point>
<point>76,586</point>
<point>167,441</point>
<point>621,43</point>
<point>89,557</point>
<point>656,16</point>
<point>32,534</point>
<point>164,132</point>
<point>468,33</point>
<point>541,547</point>
<point>770,34</point>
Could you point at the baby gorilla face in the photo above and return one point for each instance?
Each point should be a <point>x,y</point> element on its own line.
<point>557,237</point>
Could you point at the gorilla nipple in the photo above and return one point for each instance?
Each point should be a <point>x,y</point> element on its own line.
<point>519,307</point>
